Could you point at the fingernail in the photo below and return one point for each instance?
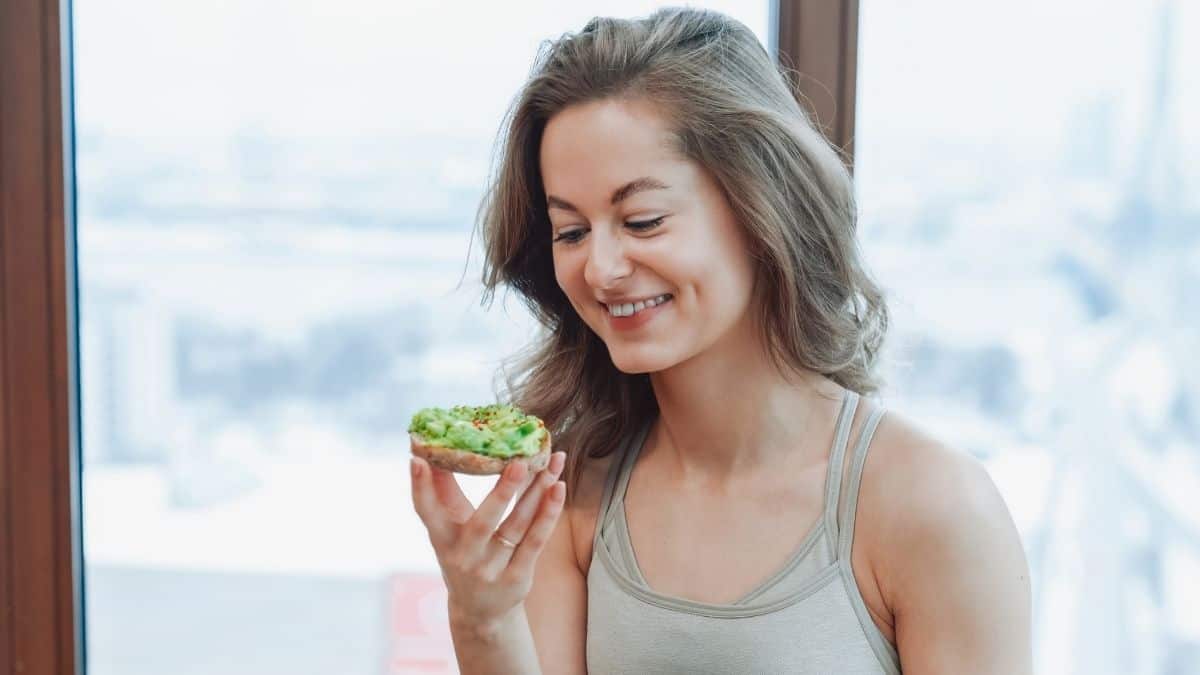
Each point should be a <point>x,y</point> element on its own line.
<point>415,466</point>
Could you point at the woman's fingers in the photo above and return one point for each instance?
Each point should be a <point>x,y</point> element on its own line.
<point>451,496</point>
<point>514,526</point>
<point>481,526</point>
<point>443,507</point>
<point>426,503</point>
<point>517,523</point>
<point>525,557</point>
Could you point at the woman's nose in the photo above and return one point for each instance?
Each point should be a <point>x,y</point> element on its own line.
<point>606,262</point>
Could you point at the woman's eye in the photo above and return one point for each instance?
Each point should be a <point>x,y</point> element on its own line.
<point>569,236</point>
<point>644,225</point>
<point>576,235</point>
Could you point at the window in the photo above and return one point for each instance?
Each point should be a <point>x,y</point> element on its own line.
<point>1027,196</point>
<point>261,187</point>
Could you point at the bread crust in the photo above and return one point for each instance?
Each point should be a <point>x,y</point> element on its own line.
<point>474,463</point>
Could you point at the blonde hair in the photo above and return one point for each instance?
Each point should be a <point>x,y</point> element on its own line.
<point>733,112</point>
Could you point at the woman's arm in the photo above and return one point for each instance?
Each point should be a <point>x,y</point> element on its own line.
<point>499,647</point>
<point>557,605</point>
<point>955,573</point>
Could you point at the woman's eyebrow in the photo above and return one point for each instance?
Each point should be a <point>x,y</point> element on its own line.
<point>635,186</point>
<point>624,192</point>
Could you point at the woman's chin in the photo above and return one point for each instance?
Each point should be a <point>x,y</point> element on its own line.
<point>632,363</point>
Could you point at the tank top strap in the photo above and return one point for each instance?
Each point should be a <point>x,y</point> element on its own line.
<point>849,504</point>
<point>837,455</point>
<point>617,478</point>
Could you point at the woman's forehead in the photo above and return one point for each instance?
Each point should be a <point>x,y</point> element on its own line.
<point>602,146</point>
<point>609,127</point>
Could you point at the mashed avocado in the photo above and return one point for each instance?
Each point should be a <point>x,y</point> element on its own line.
<point>494,430</point>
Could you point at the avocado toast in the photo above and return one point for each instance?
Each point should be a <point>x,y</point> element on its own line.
<point>479,440</point>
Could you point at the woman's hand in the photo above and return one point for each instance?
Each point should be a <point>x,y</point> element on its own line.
<point>488,565</point>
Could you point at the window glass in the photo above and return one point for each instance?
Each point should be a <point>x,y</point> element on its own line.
<point>1030,197</point>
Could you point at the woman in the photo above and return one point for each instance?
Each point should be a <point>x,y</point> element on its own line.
<point>736,502</point>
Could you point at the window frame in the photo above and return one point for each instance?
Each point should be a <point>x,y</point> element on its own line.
<point>817,40</point>
<point>41,559</point>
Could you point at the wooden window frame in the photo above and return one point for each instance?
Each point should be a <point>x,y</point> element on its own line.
<point>818,41</point>
<point>41,558</point>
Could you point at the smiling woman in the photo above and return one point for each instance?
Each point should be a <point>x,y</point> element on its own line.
<point>687,239</point>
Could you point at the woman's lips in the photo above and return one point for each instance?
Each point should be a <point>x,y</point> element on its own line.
<point>625,323</point>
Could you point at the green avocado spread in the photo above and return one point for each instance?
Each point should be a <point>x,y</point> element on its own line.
<point>495,430</point>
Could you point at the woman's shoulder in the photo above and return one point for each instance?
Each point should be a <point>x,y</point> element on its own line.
<point>909,467</point>
<point>942,549</point>
<point>924,504</point>
<point>913,479</point>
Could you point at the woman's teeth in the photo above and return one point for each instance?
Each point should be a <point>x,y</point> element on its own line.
<point>631,308</point>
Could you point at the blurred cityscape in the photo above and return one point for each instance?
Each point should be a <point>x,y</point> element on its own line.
<point>262,311</point>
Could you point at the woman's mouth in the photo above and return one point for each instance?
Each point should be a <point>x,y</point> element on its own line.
<point>630,315</point>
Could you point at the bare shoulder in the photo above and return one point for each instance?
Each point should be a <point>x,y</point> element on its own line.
<point>916,479</point>
<point>916,487</point>
<point>945,551</point>
<point>583,509</point>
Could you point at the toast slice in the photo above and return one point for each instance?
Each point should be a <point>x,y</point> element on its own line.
<point>474,463</point>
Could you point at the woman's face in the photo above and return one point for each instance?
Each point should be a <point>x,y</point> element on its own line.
<point>646,246</point>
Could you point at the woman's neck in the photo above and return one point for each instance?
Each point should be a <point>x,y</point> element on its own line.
<point>730,412</point>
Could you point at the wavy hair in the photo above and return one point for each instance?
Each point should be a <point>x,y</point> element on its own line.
<point>732,111</point>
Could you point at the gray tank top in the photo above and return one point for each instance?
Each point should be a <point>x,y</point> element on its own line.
<point>808,617</point>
